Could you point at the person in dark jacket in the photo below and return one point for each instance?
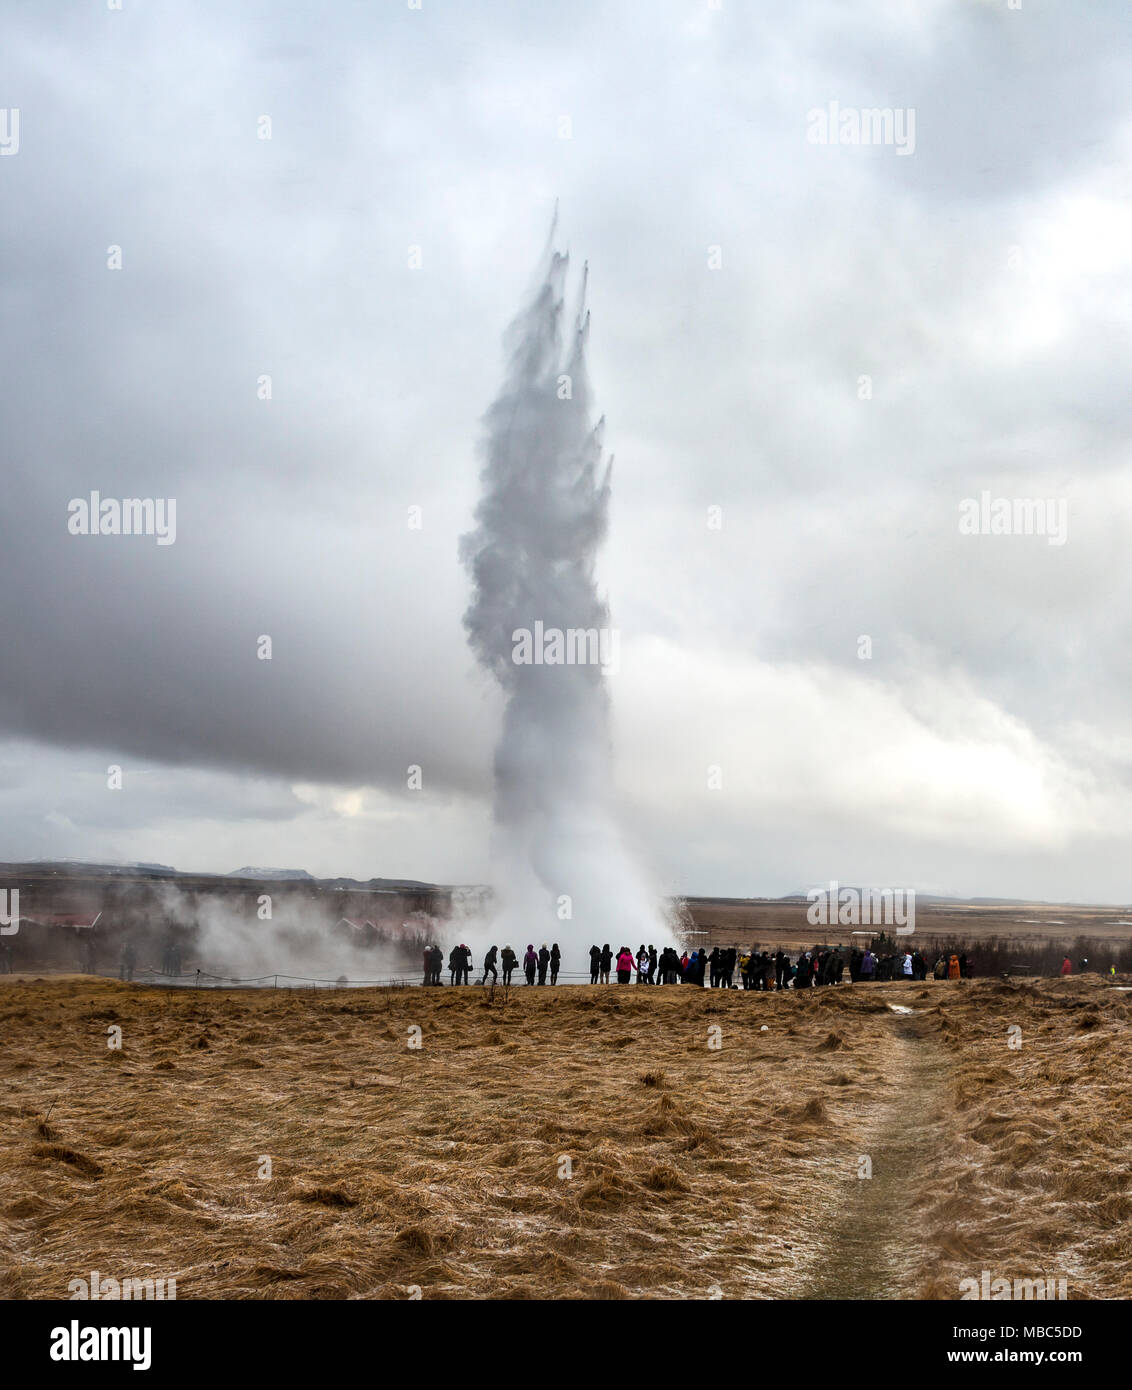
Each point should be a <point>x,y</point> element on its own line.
<point>509,960</point>
<point>555,962</point>
<point>543,962</point>
<point>463,964</point>
<point>713,967</point>
<point>455,962</point>
<point>606,963</point>
<point>595,963</point>
<point>825,968</point>
<point>489,964</point>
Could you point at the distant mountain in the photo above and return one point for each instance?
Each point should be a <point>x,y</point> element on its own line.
<point>109,866</point>
<point>89,868</point>
<point>276,874</point>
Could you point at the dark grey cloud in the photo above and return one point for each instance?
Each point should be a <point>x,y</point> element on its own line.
<point>983,283</point>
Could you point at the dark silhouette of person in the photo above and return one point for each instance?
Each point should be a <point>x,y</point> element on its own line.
<point>555,962</point>
<point>127,960</point>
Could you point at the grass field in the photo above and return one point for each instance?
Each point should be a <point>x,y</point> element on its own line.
<point>570,1143</point>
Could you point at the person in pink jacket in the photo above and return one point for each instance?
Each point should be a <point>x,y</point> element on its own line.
<point>624,965</point>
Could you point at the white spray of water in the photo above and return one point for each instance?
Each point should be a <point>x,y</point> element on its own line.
<point>562,871</point>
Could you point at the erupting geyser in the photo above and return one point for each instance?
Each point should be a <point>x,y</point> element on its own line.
<point>537,622</point>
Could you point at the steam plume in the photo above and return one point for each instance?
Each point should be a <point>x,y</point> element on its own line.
<point>540,522</point>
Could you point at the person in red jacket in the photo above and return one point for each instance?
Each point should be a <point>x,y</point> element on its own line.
<point>624,966</point>
<point>1066,966</point>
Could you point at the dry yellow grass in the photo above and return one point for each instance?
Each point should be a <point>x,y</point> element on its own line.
<point>695,1170</point>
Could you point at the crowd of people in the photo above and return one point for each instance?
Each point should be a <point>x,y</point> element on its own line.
<point>720,968</point>
<point>545,961</point>
<point>729,967</point>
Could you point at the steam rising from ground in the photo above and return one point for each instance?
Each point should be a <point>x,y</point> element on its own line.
<point>540,522</point>
<point>229,939</point>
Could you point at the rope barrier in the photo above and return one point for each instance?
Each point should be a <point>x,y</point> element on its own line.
<point>410,981</point>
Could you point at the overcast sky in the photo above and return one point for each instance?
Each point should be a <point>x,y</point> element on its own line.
<point>743,280</point>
